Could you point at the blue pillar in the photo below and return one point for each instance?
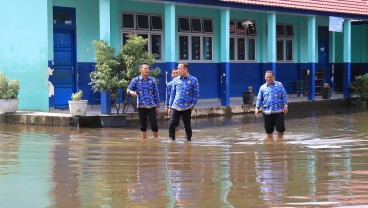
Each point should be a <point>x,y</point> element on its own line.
<point>271,42</point>
<point>347,58</point>
<point>312,57</point>
<point>332,58</point>
<point>225,57</point>
<point>170,39</point>
<point>105,35</point>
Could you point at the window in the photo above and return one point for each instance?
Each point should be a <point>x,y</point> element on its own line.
<point>284,42</point>
<point>145,25</point>
<point>195,39</point>
<point>242,41</point>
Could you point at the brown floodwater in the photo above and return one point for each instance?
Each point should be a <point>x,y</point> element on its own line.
<point>321,162</point>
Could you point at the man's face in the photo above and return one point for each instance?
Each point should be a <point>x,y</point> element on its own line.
<point>174,73</point>
<point>269,78</point>
<point>145,70</point>
<point>182,70</point>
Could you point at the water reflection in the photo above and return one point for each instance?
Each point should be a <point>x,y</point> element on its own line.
<point>322,161</point>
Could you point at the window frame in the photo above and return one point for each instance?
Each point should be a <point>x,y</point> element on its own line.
<point>189,34</point>
<point>150,32</point>
<point>246,38</point>
<point>284,39</point>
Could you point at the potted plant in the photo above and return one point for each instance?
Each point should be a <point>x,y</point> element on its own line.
<point>9,90</point>
<point>248,96</point>
<point>360,89</point>
<point>78,107</point>
<point>326,91</point>
<point>114,71</point>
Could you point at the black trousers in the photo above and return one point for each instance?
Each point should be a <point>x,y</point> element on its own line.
<point>174,122</point>
<point>273,121</point>
<point>151,114</point>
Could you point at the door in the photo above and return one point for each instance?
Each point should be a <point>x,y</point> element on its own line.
<point>64,55</point>
<point>323,51</point>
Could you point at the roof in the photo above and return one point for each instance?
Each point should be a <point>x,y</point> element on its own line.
<point>352,7</point>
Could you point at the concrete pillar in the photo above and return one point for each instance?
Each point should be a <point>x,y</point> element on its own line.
<point>104,15</point>
<point>170,29</point>
<point>312,57</point>
<point>225,57</point>
<point>271,42</point>
<point>347,58</point>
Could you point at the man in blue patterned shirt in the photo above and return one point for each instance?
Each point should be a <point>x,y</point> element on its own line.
<point>174,73</point>
<point>183,97</point>
<point>272,98</point>
<point>145,89</point>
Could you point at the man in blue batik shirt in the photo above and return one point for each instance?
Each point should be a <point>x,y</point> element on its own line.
<point>183,97</point>
<point>174,73</point>
<point>272,98</point>
<point>145,89</point>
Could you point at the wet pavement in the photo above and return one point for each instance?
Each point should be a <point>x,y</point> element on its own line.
<point>321,162</point>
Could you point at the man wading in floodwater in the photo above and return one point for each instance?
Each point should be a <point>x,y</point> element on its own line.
<point>272,98</point>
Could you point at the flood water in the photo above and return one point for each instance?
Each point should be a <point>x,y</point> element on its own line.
<point>321,162</point>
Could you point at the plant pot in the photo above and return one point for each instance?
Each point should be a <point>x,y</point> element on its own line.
<point>78,108</point>
<point>115,120</point>
<point>8,105</point>
<point>248,98</point>
<point>326,93</point>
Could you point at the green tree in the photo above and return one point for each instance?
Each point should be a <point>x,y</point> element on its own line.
<point>360,88</point>
<point>114,71</point>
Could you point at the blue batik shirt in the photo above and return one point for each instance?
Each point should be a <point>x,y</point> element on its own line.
<point>147,92</point>
<point>184,93</point>
<point>168,92</point>
<point>272,98</point>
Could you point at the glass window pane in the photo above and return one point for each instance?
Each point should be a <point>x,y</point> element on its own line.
<point>289,50</point>
<point>232,48</point>
<point>241,49</point>
<point>145,36</point>
<point>128,21</point>
<point>183,47</point>
<point>280,30</point>
<point>156,45</point>
<point>251,30</point>
<point>207,26</point>
<point>280,50</point>
<point>196,48</point>
<point>239,28</point>
<point>252,49</point>
<point>289,31</point>
<point>126,37</point>
<point>62,18</point>
<point>207,48</point>
<point>232,27</point>
<point>196,25</point>
<point>142,21</point>
<point>156,22</point>
<point>184,25</point>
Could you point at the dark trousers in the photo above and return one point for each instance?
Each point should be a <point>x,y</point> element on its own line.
<point>274,121</point>
<point>151,114</point>
<point>174,122</point>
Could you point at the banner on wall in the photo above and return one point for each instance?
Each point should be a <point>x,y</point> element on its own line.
<point>335,24</point>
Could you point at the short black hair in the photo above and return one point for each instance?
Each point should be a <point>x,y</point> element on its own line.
<point>173,69</point>
<point>140,67</point>
<point>185,65</point>
<point>270,72</point>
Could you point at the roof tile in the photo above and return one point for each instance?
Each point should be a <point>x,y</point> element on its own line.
<point>354,7</point>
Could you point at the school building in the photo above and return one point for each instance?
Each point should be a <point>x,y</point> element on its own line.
<point>229,44</point>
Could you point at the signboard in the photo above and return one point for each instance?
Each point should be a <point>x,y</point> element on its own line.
<point>335,24</point>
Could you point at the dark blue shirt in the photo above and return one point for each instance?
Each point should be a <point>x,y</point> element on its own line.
<point>184,93</point>
<point>147,92</point>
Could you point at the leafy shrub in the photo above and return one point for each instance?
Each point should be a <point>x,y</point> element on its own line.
<point>360,88</point>
<point>9,89</point>
<point>77,96</point>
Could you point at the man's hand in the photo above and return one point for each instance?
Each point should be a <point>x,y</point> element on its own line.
<point>256,111</point>
<point>133,93</point>
<point>169,111</point>
<point>286,109</point>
